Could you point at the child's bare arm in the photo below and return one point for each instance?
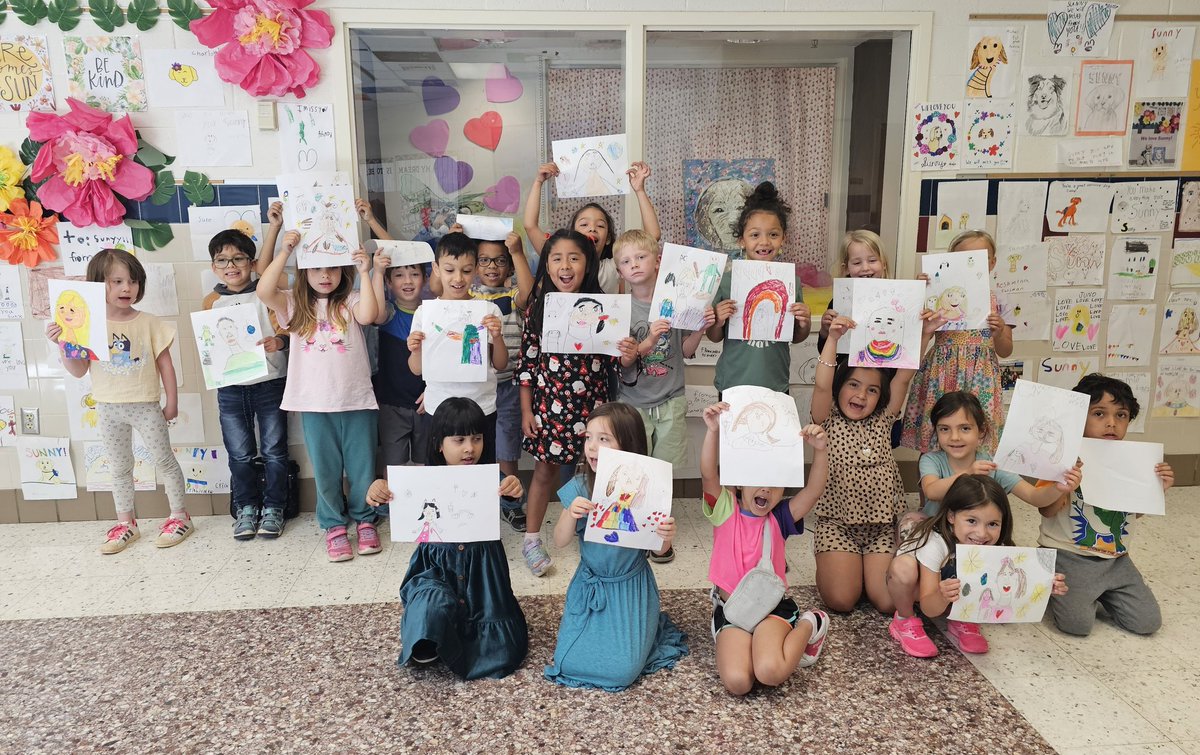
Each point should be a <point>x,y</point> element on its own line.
<point>516,250</point>
<point>818,474</point>
<point>564,530</point>
<point>936,593</point>
<point>823,398</point>
<point>367,307</point>
<point>166,373</point>
<point>266,252</point>
<point>638,173</point>
<point>710,452</point>
<point>533,206</point>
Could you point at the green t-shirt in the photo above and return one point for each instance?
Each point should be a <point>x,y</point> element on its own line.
<point>763,363</point>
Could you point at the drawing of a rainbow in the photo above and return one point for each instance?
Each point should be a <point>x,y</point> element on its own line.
<point>772,291</point>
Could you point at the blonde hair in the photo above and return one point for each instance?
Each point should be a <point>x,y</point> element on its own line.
<point>77,335</point>
<point>639,239</point>
<point>866,238</point>
<point>971,236</point>
<point>304,315</point>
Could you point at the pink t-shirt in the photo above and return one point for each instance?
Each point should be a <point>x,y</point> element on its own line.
<point>737,540</point>
<point>328,371</point>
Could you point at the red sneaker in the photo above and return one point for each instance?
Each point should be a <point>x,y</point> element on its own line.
<point>966,637</point>
<point>910,633</point>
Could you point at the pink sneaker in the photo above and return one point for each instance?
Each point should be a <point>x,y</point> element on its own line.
<point>910,633</point>
<point>966,637</point>
<point>368,539</point>
<point>816,641</point>
<point>337,544</point>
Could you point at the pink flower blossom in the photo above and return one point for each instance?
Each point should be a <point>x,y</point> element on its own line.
<point>264,43</point>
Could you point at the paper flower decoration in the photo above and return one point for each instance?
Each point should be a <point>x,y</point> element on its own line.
<point>264,43</point>
<point>86,161</point>
<point>27,238</point>
<point>12,170</point>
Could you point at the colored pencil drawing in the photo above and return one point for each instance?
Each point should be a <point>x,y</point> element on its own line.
<point>959,288</point>
<point>1177,390</point>
<point>97,475</point>
<point>205,469</point>
<point>80,310</point>
<point>1002,584</point>
<point>45,468</point>
<point>456,342</point>
<point>227,342</point>
<point>83,417</point>
<point>989,135</point>
<point>1042,430</point>
<point>8,421</point>
<point>760,438</point>
<point>1077,318</point>
<point>325,217</point>
<point>591,167</point>
<point>888,314</point>
<point>1076,28</point>
<point>687,282</point>
<point>935,140</point>
<point>961,206</point>
<point>459,504</point>
<point>764,292</point>
<point>1020,270</point>
<point>1164,60</point>
<point>988,71</point>
<point>1185,263</point>
<point>714,192</point>
<point>1133,267</point>
<point>1131,335</point>
<point>585,323</point>
<point>1075,260</point>
<point>1180,333</point>
<point>1078,206</point>
<point>632,497</point>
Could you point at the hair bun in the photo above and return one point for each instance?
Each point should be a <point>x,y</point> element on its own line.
<point>765,190</point>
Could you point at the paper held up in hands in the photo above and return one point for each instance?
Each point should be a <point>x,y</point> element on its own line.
<point>760,438</point>
<point>632,497</point>
<point>485,227</point>
<point>1119,475</point>
<point>1042,431</point>
<point>402,253</point>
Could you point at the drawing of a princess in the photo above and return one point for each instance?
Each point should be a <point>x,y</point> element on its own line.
<point>594,176</point>
<point>72,315</point>
<point>997,605</point>
<point>429,532</point>
<point>629,486</point>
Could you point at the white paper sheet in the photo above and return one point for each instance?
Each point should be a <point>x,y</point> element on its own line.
<point>227,343</point>
<point>327,221</point>
<point>205,469</point>
<point>1065,372</point>
<point>1078,206</point>
<point>1177,390</point>
<point>14,374</point>
<point>1077,318</point>
<point>1102,104</point>
<point>1029,314</point>
<point>1133,267</point>
<point>46,470</point>
<point>699,398</point>
<point>1163,63</point>
<point>98,475</point>
<point>591,167</point>
<point>1042,431</point>
<point>888,318</point>
<point>764,292</point>
<point>989,134</point>
<point>961,206</point>
<point>455,348</point>
<point>1180,332</point>
<point>188,425</point>
<point>161,297</point>
<point>585,323</point>
<point>1123,470</point>
<point>1131,335</point>
<point>1002,584</point>
<point>306,138</point>
<point>1185,263</point>
<point>1076,28</point>
<point>760,438</point>
<point>213,138</point>
<point>632,497</point>
<point>1144,207</point>
<point>206,222</point>
<point>8,422</point>
<point>403,253</point>
<point>485,227</point>
<point>1020,269</point>
<point>83,418</point>
<point>1143,390</point>
<point>459,504</point>
<point>1091,152</point>
<point>687,282</point>
<point>183,78</point>
<point>1019,209</point>
<point>12,301</point>
<point>993,57</point>
<point>1076,260</point>
<point>934,144</point>
<point>1047,96</point>
<point>78,244</point>
<point>959,288</point>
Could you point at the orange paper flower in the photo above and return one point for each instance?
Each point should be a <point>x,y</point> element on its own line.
<point>27,238</point>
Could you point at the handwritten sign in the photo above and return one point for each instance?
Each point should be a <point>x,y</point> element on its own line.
<point>1100,152</point>
<point>215,138</point>
<point>306,138</point>
<point>78,244</point>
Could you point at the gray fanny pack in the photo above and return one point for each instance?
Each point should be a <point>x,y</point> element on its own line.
<point>758,592</point>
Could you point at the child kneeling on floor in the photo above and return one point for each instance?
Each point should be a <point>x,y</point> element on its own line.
<point>458,601</point>
<point>749,528</point>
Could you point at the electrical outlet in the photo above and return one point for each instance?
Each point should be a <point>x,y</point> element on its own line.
<point>29,421</point>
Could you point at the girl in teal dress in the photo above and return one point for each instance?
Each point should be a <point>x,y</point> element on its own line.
<point>612,629</point>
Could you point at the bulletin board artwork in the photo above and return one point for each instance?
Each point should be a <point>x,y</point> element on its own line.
<point>714,192</point>
<point>989,135</point>
<point>935,141</point>
<point>1078,28</point>
<point>1103,99</point>
<point>106,72</point>
<point>25,79</point>
<point>1154,133</point>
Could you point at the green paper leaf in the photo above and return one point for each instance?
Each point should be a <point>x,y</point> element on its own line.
<point>143,13</point>
<point>29,150</point>
<point>107,14</point>
<point>65,13</point>
<point>30,11</point>
<point>183,12</point>
<point>3,10</point>
<point>164,187</point>
<point>197,188</point>
<point>149,235</point>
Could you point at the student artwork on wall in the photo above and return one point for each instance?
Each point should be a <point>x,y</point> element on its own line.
<point>959,288</point>
<point>1131,335</point>
<point>1189,200</point>
<point>12,302</point>
<point>1177,390</point>
<point>79,309</point>
<point>227,342</point>
<point>760,438</point>
<point>993,57</point>
<point>25,71</point>
<point>1142,385</point>
<point>1180,332</point>
<point>83,418</point>
<point>1164,60</point>
<point>445,504</point>
<point>888,315</point>
<point>961,206</point>
<point>989,143</point>
<point>205,469</point>
<point>1102,102</point>
<point>1020,206</point>
<point>1077,318</point>
<point>8,422</point>
<point>327,222</point>
<point>1123,470</point>
<point>591,167</point>
<point>206,222</point>
<point>306,137</point>
<point>188,425</point>
<point>1079,28</point>
<point>78,244</point>
<point>1029,314</point>
<point>1076,260</point>
<point>1185,263</point>
<point>699,398</point>
<point>585,323</point>
<point>1042,431</point>
<point>14,375</point>
<point>687,282</point>
<point>764,292</point>
<point>1020,270</point>
<point>1154,133</point>
<point>213,138</point>
<point>46,470</point>
<point>160,297</point>
<point>97,476</point>
<point>1091,152</point>
<point>1046,94</point>
<point>1078,206</point>
<point>714,192</point>
<point>183,78</point>
<point>1002,584</point>
<point>455,348</point>
<point>1133,267</point>
<point>632,497</point>
<point>935,144</point>
<point>1144,207</point>
<point>1190,161</point>
<point>106,72</point>
<point>1065,372</point>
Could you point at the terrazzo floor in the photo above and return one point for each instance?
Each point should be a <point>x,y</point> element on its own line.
<point>1111,691</point>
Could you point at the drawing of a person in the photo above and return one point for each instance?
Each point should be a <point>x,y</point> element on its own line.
<point>72,315</point>
<point>885,330</point>
<point>752,427</point>
<point>626,489</point>
<point>239,362</point>
<point>594,176</point>
<point>584,322</point>
<point>1042,452</point>
<point>1186,340</point>
<point>996,602</point>
<point>329,239</point>
<point>716,211</point>
<point>710,277</point>
<point>952,304</point>
<point>429,532</point>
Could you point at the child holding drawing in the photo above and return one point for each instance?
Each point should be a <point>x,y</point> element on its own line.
<point>403,433</point>
<point>742,517</point>
<point>330,385</point>
<point>241,406</point>
<point>974,511</point>
<point>459,606</point>
<point>593,221</point>
<point>1093,542</point>
<point>860,255</point>
<point>761,232</point>
<point>126,390</point>
<point>963,360</point>
<point>612,629</point>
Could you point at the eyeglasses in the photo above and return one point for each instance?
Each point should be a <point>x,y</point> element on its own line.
<point>223,262</point>
<point>493,262</point>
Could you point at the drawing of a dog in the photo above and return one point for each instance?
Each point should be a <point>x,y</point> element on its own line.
<point>935,138</point>
<point>988,54</point>
<point>1158,58</point>
<point>1105,107</point>
<point>1043,106</point>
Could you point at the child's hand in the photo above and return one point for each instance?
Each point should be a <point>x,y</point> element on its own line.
<point>53,331</point>
<point>712,415</point>
<point>383,261</point>
<point>827,319</point>
<point>414,343</point>
<point>1059,586</point>
<point>995,321</point>
<point>456,228</point>
<point>580,507</point>
<point>923,277</point>
<point>378,494</point>
<point>492,324</point>
<point>421,403</point>
<point>666,530</point>
<point>950,589</point>
<point>979,466</point>
<point>638,173</point>
<point>271,344</point>
<point>724,310</point>
<point>931,321</point>
<point>1071,478</point>
<point>546,171</point>
<point>529,425</point>
<point>171,410</point>
<point>802,313</point>
<point>275,215</point>
<point>840,326</point>
<point>510,487</point>
<point>290,239</point>
<point>815,436</point>
<point>362,261</point>
<point>710,317</point>
<point>628,348</point>
<point>1166,474</point>
<point>363,207</point>
<point>512,242</point>
<point>658,329</point>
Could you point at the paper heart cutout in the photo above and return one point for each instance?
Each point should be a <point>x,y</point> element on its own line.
<point>431,138</point>
<point>1055,24</point>
<point>501,85</point>
<point>452,174</point>
<point>306,159</point>
<point>439,97</point>
<point>504,195</point>
<point>485,130</point>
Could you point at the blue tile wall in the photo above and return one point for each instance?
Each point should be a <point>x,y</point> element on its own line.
<point>175,211</point>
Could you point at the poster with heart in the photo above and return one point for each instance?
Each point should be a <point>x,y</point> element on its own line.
<point>1177,390</point>
<point>764,292</point>
<point>1133,267</point>
<point>80,311</point>
<point>1077,317</point>
<point>1029,315</point>
<point>1163,60</point>
<point>591,167</point>
<point>183,78</point>
<point>12,302</point>
<point>989,144</point>
<point>213,138</point>
<point>1019,209</point>
<point>687,282</point>
<point>632,497</point>
<point>206,222</point>
<point>455,348</point>
<point>306,137</point>
<point>585,323</point>
<point>935,140</point>
<point>959,288</point>
<point>1180,332</point>
<point>1079,28</point>
<point>78,244</point>
<point>961,206</point>
<point>1076,260</point>
<point>327,221</point>
<point>1020,270</point>
<point>1185,263</point>
<point>47,473</point>
<point>1065,372</point>
<point>1002,584</point>
<point>106,72</point>
<point>1144,207</point>
<point>1078,206</point>
<point>1102,104</point>
<point>25,79</point>
<point>1131,335</point>
<point>1042,431</point>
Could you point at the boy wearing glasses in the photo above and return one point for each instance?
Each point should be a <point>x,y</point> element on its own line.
<point>233,262</point>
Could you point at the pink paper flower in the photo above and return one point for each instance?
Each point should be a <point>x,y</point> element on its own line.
<point>88,158</point>
<point>264,43</point>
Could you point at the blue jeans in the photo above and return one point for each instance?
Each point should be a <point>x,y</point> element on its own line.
<point>239,406</point>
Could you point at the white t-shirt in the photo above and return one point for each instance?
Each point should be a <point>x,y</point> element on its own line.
<point>932,555</point>
<point>482,393</point>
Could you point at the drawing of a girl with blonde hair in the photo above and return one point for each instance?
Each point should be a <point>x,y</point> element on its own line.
<point>1187,335</point>
<point>72,315</point>
<point>996,605</point>
<point>952,304</point>
<point>628,483</point>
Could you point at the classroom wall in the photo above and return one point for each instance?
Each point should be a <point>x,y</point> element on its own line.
<point>943,50</point>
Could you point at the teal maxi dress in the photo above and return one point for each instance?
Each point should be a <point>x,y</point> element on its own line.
<point>612,629</point>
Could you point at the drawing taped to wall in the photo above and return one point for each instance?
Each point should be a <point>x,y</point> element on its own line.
<point>989,72</point>
<point>97,476</point>
<point>1065,372</point>
<point>1020,206</point>
<point>14,374</point>
<point>632,496</point>
<point>8,421</point>
<point>1103,97</point>
<point>764,292</point>
<point>1020,270</point>
<point>1189,204</point>
<point>1154,133</point>
<point>1131,335</point>
<point>1142,385</point>
<point>1144,207</point>
<point>888,315</point>
<point>687,282</point>
<point>456,346</point>
<point>1177,390</point>
<point>961,206</point>
<point>1042,430</point>
<point>1164,60</point>
<point>183,78</point>
<point>1078,206</point>
<point>1078,28</point>
<point>959,288</point>
<point>591,167</point>
<point>935,139</point>
<point>83,417</point>
<point>205,469</point>
<point>1185,263</point>
<point>1075,260</point>
<point>306,137</point>
<point>1133,267</point>
<point>459,504</point>
<point>80,311</point>
<point>1180,333</point>
<point>46,470</point>
<point>585,323</point>
<point>1002,584</point>
<point>12,301</point>
<point>989,135</point>
<point>1047,98</point>
<point>760,438</point>
<point>1077,318</point>
<point>713,194</point>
